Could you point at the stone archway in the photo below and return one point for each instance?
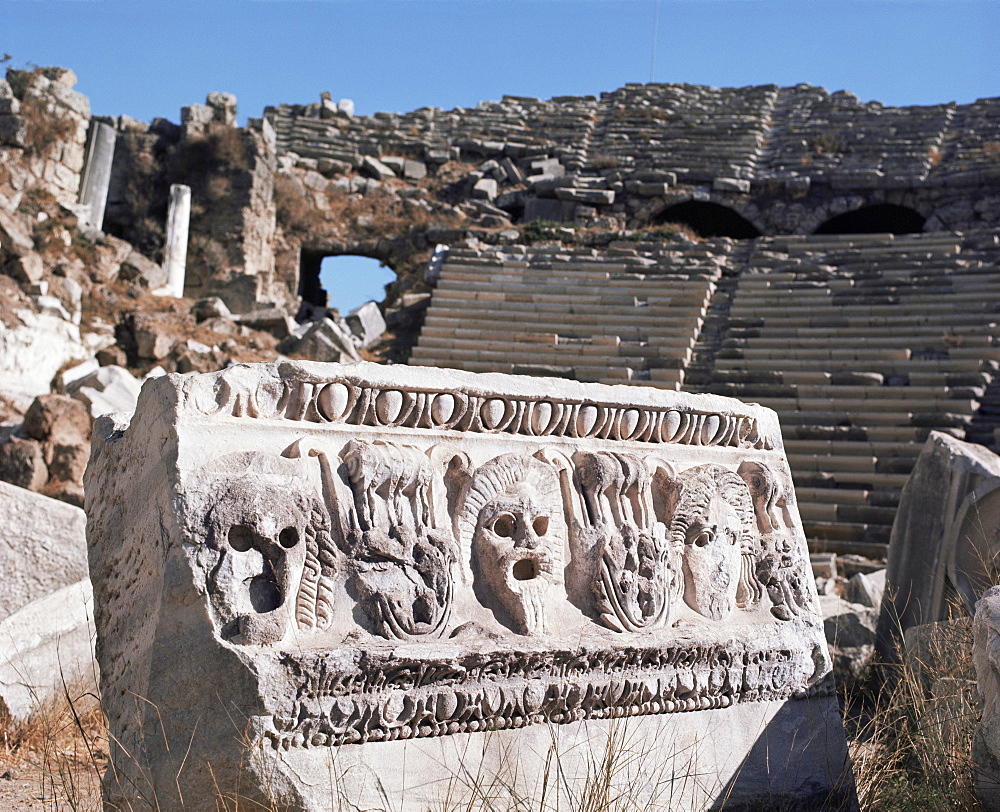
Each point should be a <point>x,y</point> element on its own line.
<point>315,280</point>
<point>709,220</point>
<point>880,218</point>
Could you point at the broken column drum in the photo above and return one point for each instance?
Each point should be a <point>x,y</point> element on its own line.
<point>97,172</point>
<point>175,253</point>
<point>325,582</point>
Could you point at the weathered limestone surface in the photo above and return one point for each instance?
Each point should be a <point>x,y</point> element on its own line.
<point>34,350</point>
<point>42,546</point>
<point>46,648</point>
<point>986,740</point>
<point>944,538</point>
<point>318,583</point>
<point>96,176</point>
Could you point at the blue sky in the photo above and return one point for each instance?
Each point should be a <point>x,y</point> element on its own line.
<point>148,58</point>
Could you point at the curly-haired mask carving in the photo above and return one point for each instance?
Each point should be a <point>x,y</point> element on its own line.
<point>712,517</point>
<point>513,533</point>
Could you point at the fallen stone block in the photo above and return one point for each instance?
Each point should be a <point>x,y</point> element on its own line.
<point>850,633</point>
<point>731,185</point>
<point>109,389</point>
<point>22,463</point>
<point>153,339</point>
<point>43,546</point>
<point>326,341</point>
<point>866,589</point>
<point>485,189</point>
<point>414,170</point>
<point>388,577</point>
<point>47,649</point>
<point>944,537</point>
<point>374,168</point>
<point>366,323</point>
<point>597,197</point>
<point>211,307</point>
<point>651,189</point>
<point>273,320</point>
<point>57,419</point>
<point>15,238</point>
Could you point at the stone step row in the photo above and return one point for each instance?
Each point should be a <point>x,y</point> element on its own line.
<point>673,354</point>
<point>644,326</point>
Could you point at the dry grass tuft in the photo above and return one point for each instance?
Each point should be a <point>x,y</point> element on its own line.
<point>61,748</point>
<point>910,729</point>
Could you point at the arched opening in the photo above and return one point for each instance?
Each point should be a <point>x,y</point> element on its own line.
<point>342,281</point>
<point>882,218</point>
<point>709,220</point>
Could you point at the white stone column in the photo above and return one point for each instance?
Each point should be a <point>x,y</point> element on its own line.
<point>175,255</point>
<point>97,173</point>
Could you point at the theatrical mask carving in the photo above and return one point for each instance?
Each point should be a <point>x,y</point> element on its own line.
<point>778,569</point>
<point>402,564</point>
<point>513,532</point>
<point>635,575</point>
<point>274,559</point>
<point>712,519</point>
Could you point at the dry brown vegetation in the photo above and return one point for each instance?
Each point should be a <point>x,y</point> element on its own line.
<point>54,759</point>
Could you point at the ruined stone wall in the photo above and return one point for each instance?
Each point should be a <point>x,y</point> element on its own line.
<point>43,133</point>
<point>230,171</point>
<point>786,159</point>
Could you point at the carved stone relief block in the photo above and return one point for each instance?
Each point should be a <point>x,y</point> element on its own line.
<point>371,555</point>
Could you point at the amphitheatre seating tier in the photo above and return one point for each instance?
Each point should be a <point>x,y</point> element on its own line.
<point>863,345</point>
<point>574,311</point>
<point>761,133</point>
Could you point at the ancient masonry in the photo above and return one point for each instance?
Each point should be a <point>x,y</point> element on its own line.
<point>386,580</point>
<point>853,290</point>
<point>844,274</point>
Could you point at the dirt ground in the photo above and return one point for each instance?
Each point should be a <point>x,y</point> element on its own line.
<point>26,787</point>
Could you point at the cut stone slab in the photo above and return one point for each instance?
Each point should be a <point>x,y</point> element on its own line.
<point>43,546</point>
<point>31,353</point>
<point>326,341</point>
<point>109,389</point>
<point>391,577</point>
<point>366,323</point>
<point>944,537</point>
<point>46,648</point>
<point>374,168</point>
<point>599,197</point>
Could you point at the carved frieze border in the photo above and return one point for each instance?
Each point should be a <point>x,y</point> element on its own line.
<point>359,402</point>
<point>385,698</point>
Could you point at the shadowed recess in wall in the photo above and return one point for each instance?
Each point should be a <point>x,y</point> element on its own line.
<point>884,218</point>
<point>710,220</point>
